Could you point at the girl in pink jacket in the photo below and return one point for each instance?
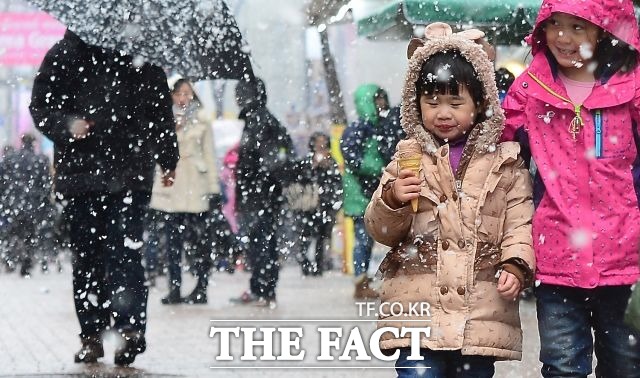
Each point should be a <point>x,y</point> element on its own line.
<point>575,110</point>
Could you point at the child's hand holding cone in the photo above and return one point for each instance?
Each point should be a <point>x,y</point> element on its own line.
<point>407,186</point>
<point>411,164</point>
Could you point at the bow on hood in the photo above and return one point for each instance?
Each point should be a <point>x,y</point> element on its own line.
<point>475,50</point>
<point>613,16</point>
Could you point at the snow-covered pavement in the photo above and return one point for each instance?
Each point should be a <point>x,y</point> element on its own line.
<point>38,330</point>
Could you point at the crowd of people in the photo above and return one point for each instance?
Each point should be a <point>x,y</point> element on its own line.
<point>141,168</point>
<point>517,180</point>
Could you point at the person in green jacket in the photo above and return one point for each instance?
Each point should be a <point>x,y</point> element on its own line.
<point>361,145</point>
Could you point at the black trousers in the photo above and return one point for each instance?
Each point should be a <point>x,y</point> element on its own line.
<point>108,277</point>
<point>193,228</point>
<point>314,226</point>
<point>258,239</point>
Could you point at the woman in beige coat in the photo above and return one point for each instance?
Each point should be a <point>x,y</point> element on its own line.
<point>460,258</point>
<point>184,206</point>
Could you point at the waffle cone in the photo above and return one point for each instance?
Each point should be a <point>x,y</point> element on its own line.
<point>412,163</point>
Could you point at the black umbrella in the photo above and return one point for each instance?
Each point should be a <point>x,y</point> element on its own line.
<point>198,39</point>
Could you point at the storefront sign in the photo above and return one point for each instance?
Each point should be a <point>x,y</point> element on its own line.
<point>26,37</point>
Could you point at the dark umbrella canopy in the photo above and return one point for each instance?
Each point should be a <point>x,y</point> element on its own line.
<point>198,39</point>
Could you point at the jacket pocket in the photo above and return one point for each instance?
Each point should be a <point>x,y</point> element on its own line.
<point>425,224</point>
<point>428,174</point>
<point>487,255</point>
<point>490,229</point>
<point>495,201</point>
<point>409,259</point>
<point>614,142</point>
<point>492,215</point>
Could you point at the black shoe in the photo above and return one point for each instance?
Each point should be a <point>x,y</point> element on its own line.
<point>151,280</point>
<point>266,302</point>
<point>197,296</point>
<point>25,272</point>
<point>173,297</point>
<point>315,270</point>
<point>307,268</point>
<point>91,350</point>
<point>230,268</point>
<point>133,344</point>
<point>246,298</point>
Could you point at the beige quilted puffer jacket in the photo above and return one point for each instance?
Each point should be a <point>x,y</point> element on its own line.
<point>467,226</point>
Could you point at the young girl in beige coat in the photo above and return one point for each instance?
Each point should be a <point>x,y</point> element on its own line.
<point>460,229</point>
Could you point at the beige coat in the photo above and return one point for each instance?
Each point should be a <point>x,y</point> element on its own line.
<point>466,226</point>
<point>196,173</point>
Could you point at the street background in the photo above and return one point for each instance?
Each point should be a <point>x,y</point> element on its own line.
<point>285,51</point>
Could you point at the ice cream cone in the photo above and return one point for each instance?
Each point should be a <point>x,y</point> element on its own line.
<point>412,163</point>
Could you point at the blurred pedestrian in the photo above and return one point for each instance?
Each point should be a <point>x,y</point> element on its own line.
<point>184,206</point>
<point>504,79</point>
<point>6,250</point>
<point>228,177</point>
<point>232,257</point>
<point>391,131</point>
<point>319,172</point>
<point>575,111</point>
<point>362,144</point>
<point>26,201</point>
<point>110,121</point>
<point>266,152</point>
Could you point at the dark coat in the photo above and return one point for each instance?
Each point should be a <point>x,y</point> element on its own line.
<point>327,181</point>
<point>266,152</point>
<point>391,133</point>
<point>131,109</point>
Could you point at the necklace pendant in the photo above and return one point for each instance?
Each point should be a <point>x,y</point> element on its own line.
<point>574,133</point>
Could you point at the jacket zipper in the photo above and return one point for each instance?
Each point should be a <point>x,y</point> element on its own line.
<point>576,123</point>
<point>458,176</point>
<point>597,120</point>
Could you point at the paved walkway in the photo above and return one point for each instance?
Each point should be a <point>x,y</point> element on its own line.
<point>38,329</point>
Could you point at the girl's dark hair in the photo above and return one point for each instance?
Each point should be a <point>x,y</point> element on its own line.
<point>613,57</point>
<point>504,79</point>
<point>447,72</point>
<point>381,93</point>
<point>179,83</point>
<point>314,137</point>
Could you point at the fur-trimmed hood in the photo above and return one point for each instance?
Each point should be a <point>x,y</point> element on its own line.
<point>485,135</point>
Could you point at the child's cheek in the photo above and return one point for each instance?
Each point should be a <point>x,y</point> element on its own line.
<point>424,122</point>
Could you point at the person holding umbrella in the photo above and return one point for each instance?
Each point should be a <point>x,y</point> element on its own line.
<point>110,120</point>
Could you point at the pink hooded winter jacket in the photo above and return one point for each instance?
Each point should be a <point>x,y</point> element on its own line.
<point>586,227</point>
